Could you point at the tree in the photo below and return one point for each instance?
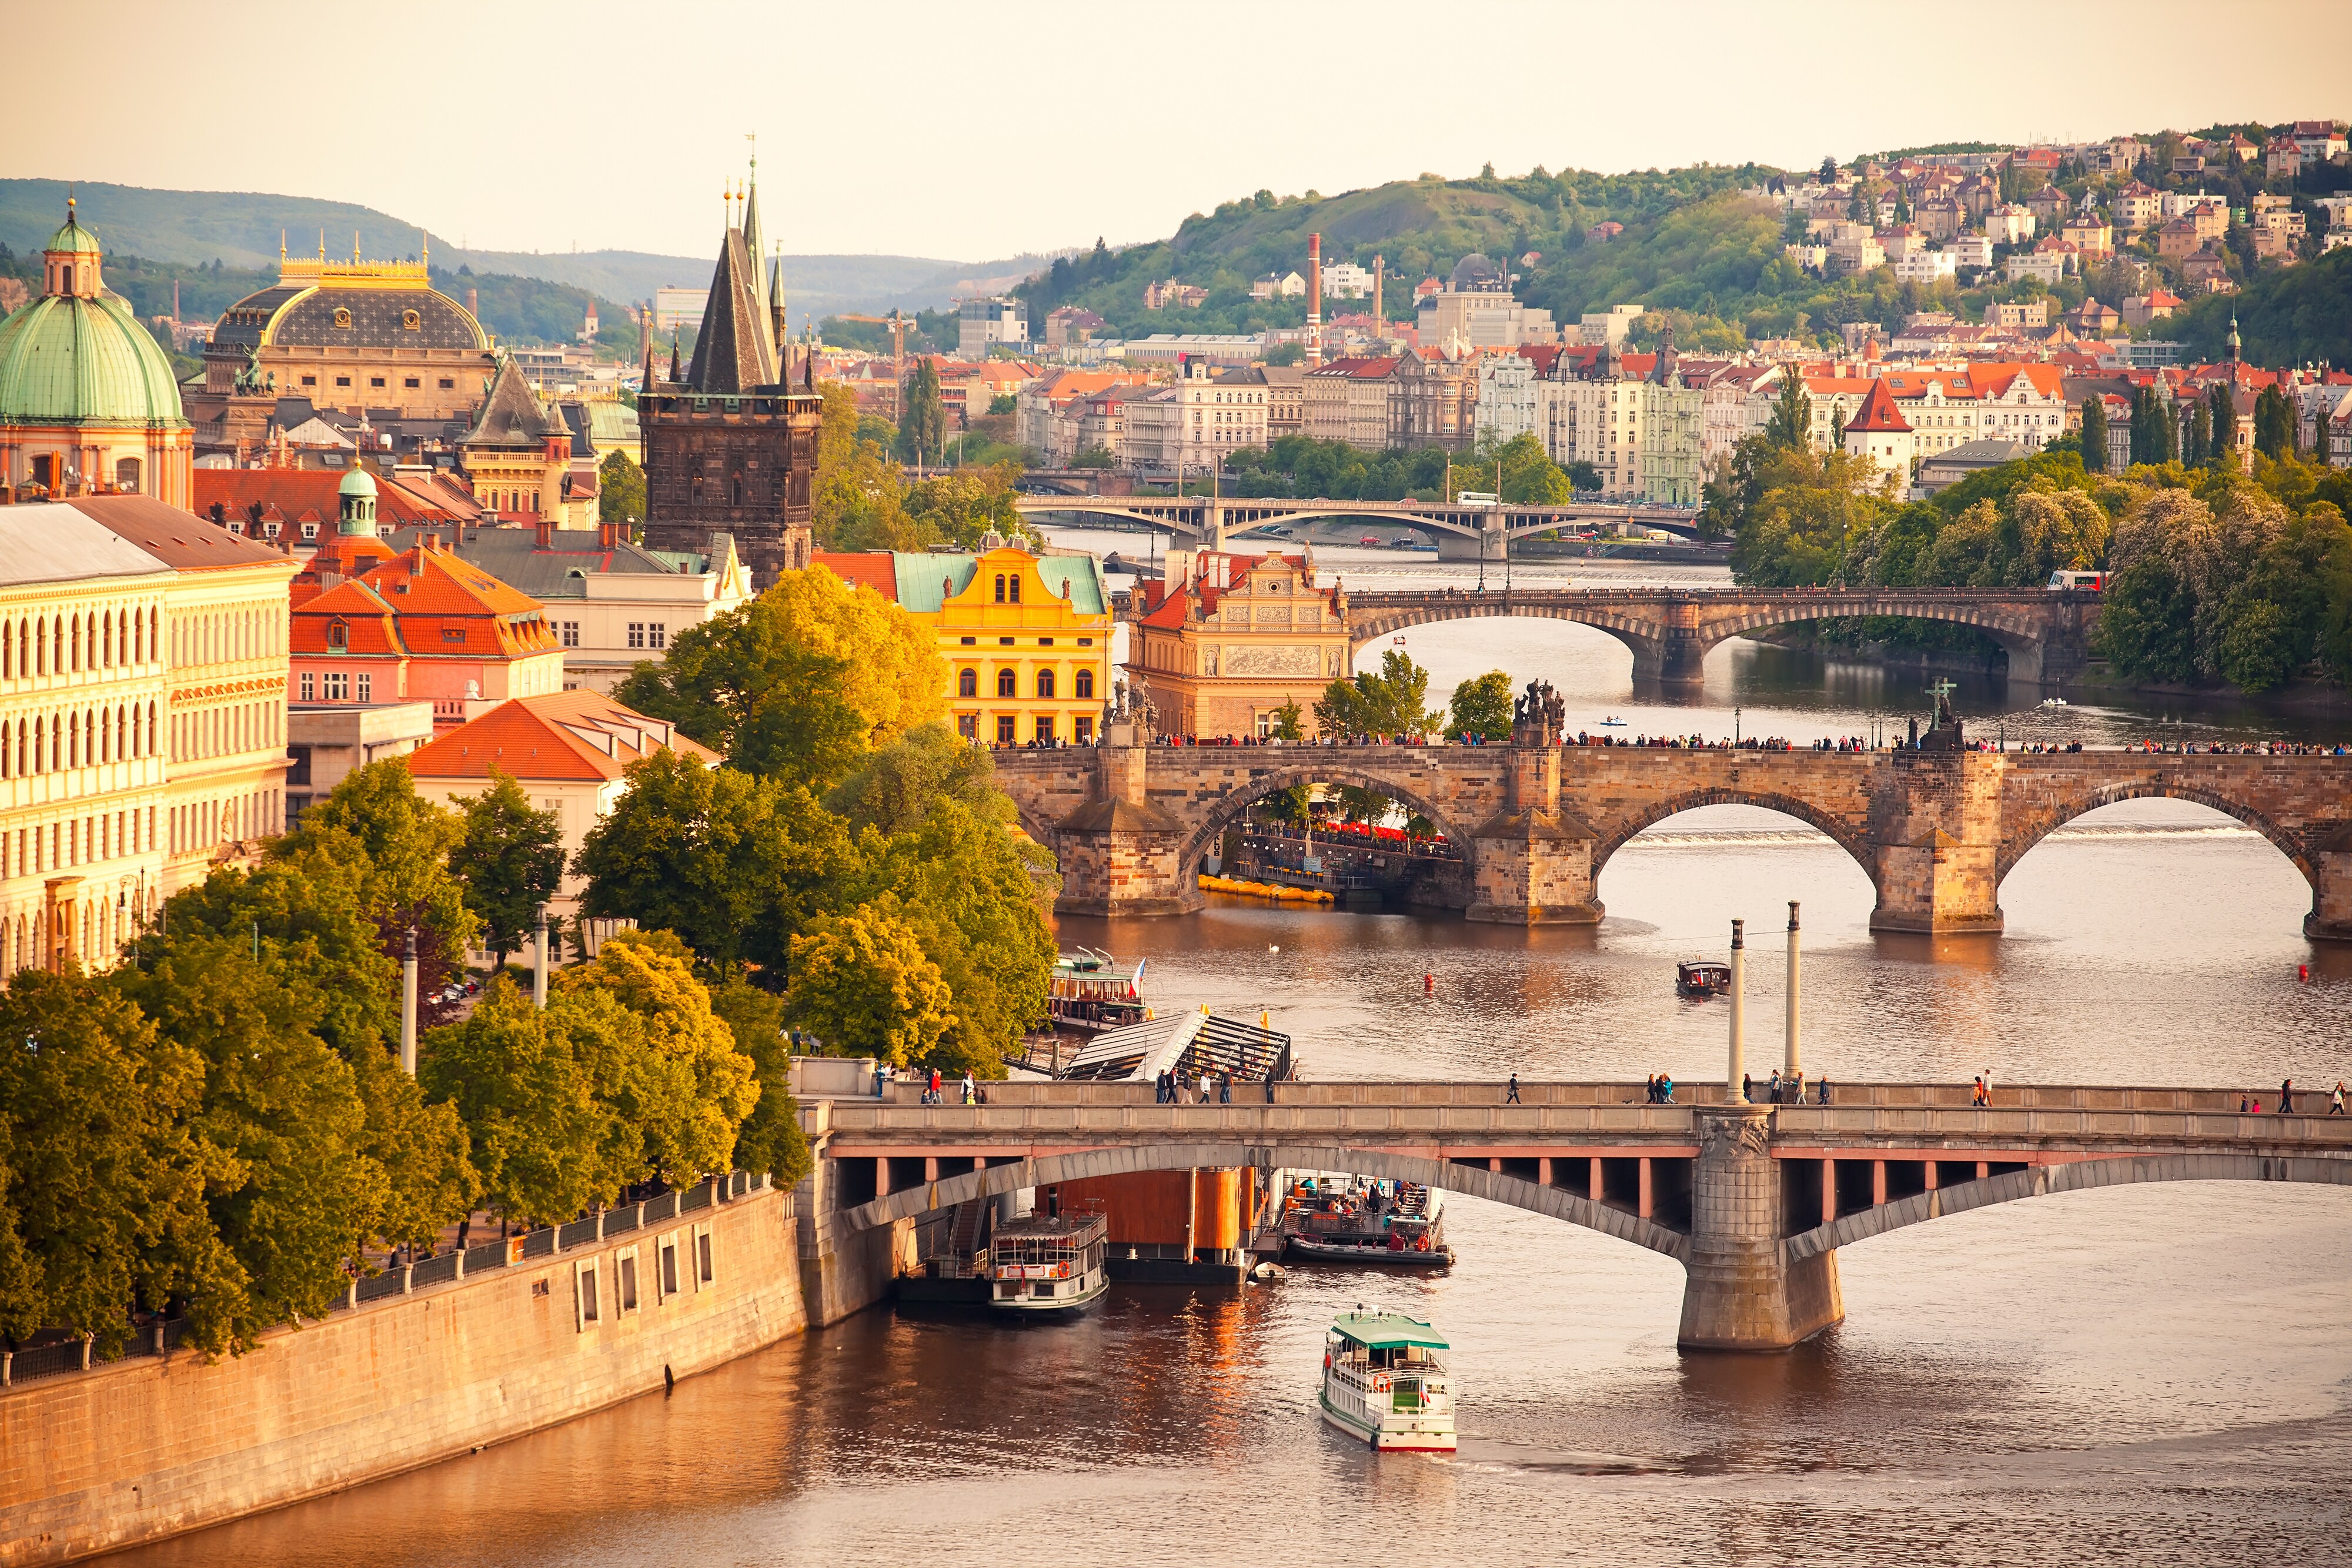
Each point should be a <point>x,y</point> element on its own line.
<point>2225,427</point>
<point>2197,451</point>
<point>104,1190</point>
<point>1791,424</point>
<point>800,683</point>
<point>2275,433</point>
<point>620,488</point>
<point>1828,170</point>
<point>687,1089</point>
<point>2093,436</point>
<point>922,418</point>
<point>862,983</point>
<point>520,1077</point>
<point>509,858</point>
<point>1481,707</point>
<point>769,1139</point>
<point>894,789</point>
<point>734,864</point>
<point>2145,627</point>
<point>1392,703</point>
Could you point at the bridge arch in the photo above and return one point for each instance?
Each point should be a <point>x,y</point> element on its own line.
<point>2041,1181</point>
<point>2030,827</point>
<point>1849,837</point>
<point>1227,808</point>
<point>1469,1181</point>
<point>1639,633</point>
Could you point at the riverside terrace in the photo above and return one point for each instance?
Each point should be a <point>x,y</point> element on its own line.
<point>1753,1200</point>
<point>1536,822</point>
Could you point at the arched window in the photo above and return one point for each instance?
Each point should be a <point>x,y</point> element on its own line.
<point>150,729</point>
<point>967,683</point>
<point>1012,588</point>
<point>41,644</point>
<point>8,750</point>
<point>73,740</point>
<point>1000,587</point>
<point>40,739</point>
<point>338,634</point>
<point>1008,685</point>
<point>1046,683</point>
<point>1086,684</point>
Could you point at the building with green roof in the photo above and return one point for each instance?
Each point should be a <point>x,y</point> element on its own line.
<point>87,401</point>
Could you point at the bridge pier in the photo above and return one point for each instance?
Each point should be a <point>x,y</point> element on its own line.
<point>1119,853</point>
<point>1533,864</point>
<point>1486,545</point>
<point>1740,1289</point>
<point>1938,832</point>
<point>2330,919</point>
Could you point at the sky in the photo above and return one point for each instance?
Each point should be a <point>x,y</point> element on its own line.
<point>976,131</point>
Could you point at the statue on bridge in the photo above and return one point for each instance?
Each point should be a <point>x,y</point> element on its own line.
<point>1537,716</point>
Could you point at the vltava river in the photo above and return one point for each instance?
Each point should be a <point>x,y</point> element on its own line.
<point>2144,1376</point>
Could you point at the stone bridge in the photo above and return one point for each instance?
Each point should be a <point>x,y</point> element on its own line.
<point>1754,1201</point>
<point>1935,832</point>
<point>2045,633</point>
<point>1462,532</point>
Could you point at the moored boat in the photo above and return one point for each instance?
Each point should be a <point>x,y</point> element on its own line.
<point>1385,1383</point>
<point>1048,1265</point>
<point>1091,991</point>
<point>1394,1223</point>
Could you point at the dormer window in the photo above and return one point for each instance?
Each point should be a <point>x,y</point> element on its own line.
<point>338,634</point>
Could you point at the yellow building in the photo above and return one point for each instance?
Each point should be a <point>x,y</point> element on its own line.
<point>142,717</point>
<point>1024,639</point>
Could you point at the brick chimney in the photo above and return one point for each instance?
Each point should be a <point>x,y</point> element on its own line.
<point>543,532</point>
<point>608,534</point>
<point>1313,299</point>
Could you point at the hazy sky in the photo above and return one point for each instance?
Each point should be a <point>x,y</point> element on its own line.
<point>978,131</point>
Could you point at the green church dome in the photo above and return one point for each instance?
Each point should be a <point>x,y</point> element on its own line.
<point>73,236</point>
<point>358,482</point>
<point>84,361</point>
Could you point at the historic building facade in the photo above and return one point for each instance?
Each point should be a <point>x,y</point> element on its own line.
<point>1226,641</point>
<point>730,444</point>
<point>88,403</point>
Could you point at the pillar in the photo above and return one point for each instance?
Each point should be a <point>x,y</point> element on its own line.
<point>1120,854</point>
<point>1740,1291</point>
<point>1829,1190</point>
<point>1644,1205</point>
<point>1878,1183</point>
<point>2330,919</point>
<point>1935,822</point>
<point>1596,1178</point>
<point>1543,1171</point>
<point>408,1006</point>
<point>1531,862</point>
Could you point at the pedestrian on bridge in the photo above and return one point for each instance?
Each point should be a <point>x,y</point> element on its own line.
<point>2335,1102</point>
<point>1822,1084</point>
<point>2286,1097</point>
<point>1512,1096</point>
<point>1205,1086</point>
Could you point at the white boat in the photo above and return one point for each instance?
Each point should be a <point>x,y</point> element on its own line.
<point>1048,1265</point>
<point>1385,1384</point>
<point>2055,702</point>
<point>1364,1221</point>
<point>1612,722</point>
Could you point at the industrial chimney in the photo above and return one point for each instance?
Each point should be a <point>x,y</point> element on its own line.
<point>1380,268</point>
<point>1313,299</point>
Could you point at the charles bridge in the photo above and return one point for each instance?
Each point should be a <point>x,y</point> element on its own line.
<point>1536,823</point>
<point>1753,1200</point>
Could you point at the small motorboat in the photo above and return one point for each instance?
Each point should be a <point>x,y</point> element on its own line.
<point>2055,702</point>
<point>1612,722</point>
<point>1694,978</point>
<point>1385,1383</point>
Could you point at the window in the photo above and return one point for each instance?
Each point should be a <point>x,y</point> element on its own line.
<point>968,726</point>
<point>1084,688</point>
<point>1045,641</point>
<point>666,1269</point>
<point>1004,729</point>
<point>375,381</point>
<point>452,635</point>
<point>1008,683</point>
<point>967,683</point>
<point>571,634</point>
<point>1005,642</point>
<point>447,384</point>
<point>656,634</point>
<point>366,688</point>
<point>1012,589</point>
<point>1000,587</point>
<point>412,383</point>
<point>624,1281</point>
<point>1086,641</point>
<point>968,642</point>
<point>585,1295</point>
<point>1085,732</point>
<point>310,530</point>
<point>1045,683</point>
<point>342,381</point>
<point>1046,728</point>
<point>636,633</point>
<point>703,1273</point>
<point>309,687</point>
<point>309,380</point>
<point>339,686</point>
<point>338,634</point>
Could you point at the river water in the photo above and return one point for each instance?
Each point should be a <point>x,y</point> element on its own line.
<point>2142,1375</point>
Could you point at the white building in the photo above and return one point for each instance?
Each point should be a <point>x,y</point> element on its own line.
<point>1972,251</point>
<point>1196,422</point>
<point>2044,266</point>
<point>1609,326</point>
<point>1278,286</point>
<point>1344,280</point>
<point>1927,268</point>
<point>983,324</point>
<point>1507,397</point>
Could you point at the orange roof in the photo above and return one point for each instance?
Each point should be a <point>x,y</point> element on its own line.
<point>368,623</point>
<point>582,735</point>
<point>877,569</point>
<point>1878,413</point>
<point>292,490</point>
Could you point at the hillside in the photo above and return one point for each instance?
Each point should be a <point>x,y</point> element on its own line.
<point>2284,317</point>
<point>240,229</point>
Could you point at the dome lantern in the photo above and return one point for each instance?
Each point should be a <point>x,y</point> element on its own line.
<point>356,499</point>
<point>71,257</point>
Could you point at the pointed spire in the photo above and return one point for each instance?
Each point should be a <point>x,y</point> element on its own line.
<point>673,353</point>
<point>645,379</point>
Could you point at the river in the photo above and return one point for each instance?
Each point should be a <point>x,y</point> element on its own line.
<point>2139,1376</point>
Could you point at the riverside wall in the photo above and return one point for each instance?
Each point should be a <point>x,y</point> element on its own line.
<point>146,1447</point>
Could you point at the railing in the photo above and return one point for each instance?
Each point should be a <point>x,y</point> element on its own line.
<point>156,1339</point>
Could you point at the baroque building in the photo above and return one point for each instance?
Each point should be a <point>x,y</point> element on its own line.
<point>1225,641</point>
<point>730,443</point>
<point>87,404</point>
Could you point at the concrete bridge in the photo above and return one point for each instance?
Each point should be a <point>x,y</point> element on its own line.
<point>1462,532</point>
<point>1536,824</point>
<point>1754,1201</point>
<point>2047,634</point>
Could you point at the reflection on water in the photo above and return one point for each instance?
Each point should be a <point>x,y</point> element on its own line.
<point>2133,1376</point>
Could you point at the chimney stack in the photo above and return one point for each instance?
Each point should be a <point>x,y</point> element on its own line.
<point>608,534</point>
<point>474,303</point>
<point>544,532</point>
<point>538,962</point>
<point>1313,299</point>
<point>1380,268</point>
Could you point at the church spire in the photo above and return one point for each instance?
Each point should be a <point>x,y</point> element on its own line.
<point>2234,346</point>
<point>673,353</point>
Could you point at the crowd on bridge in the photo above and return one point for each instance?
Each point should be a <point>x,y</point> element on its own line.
<point>2241,749</point>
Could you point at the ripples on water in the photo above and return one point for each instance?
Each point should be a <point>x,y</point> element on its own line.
<point>2134,1377</point>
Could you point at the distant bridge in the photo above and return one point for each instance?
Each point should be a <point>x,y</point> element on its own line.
<point>1752,1201</point>
<point>1462,532</point>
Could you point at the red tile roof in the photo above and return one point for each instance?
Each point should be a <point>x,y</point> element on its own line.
<point>580,735</point>
<point>294,490</point>
<point>1878,413</point>
<point>875,570</point>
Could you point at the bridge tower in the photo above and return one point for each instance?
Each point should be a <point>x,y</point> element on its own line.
<point>1122,855</point>
<point>1937,823</point>
<point>1534,857</point>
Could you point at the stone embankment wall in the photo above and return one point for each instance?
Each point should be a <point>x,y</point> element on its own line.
<point>151,1447</point>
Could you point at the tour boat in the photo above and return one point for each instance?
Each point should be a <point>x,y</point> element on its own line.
<point>1365,1222</point>
<point>1385,1384</point>
<point>1090,992</point>
<point>1696,978</point>
<point>1048,1265</point>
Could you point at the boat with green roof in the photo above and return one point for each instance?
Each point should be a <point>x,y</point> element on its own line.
<point>1385,1383</point>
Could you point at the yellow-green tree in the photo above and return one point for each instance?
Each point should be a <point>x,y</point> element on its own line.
<point>862,983</point>
<point>690,1089</point>
<point>769,1139</point>
<point>1481,707</point>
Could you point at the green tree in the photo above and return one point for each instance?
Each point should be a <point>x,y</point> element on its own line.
<point>399,843</point>
<point>105,1179</point>
<point>1791,424</point>
<point>1289,804</point>
<point>800,683</point>
<point>2276,432</point>
<point>620,488</point>
<point>2093,436</point>
<point>1481,707</point>
<point>894,789</point>
<point>734,864</point>
<point>863,984</point>
<point>687,1089</point>
<point>922,420</point>
<point>771,1139</point>
<point>509,858</point>
<point>2224,450</point>
<point>1393,703</point>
